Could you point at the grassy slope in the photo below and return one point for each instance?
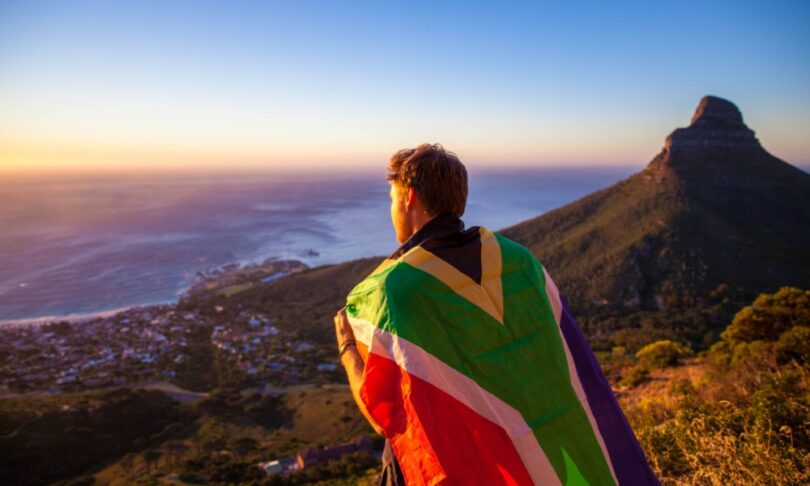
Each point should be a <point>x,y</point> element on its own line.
<point>593,246</point>
<point>306,417</point>
<point>71,433</point>
<point>320,416</point>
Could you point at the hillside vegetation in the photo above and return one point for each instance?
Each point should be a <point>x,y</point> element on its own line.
<point>739,413</point>
<point>123,437</point>
<point>60,437</point>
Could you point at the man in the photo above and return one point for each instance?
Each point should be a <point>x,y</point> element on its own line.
<point>461,352</point>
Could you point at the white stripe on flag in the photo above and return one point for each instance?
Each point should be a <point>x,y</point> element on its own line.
<point>429,368</point>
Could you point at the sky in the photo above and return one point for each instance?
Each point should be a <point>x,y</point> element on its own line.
<point>306,85</point>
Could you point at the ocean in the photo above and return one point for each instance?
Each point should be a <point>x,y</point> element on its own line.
<point>73,246</point>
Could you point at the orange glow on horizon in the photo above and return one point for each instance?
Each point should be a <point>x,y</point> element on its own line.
<point>78,159</point>
<point>208,156</point>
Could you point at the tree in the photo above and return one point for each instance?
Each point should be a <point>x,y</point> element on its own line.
<point>769,316</point>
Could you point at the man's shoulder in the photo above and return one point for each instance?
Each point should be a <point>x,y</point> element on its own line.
<point>374,281</point>
<point>508,242</point>
<point>392,274</point>
<point>392,285</point>
<point>511,249</point>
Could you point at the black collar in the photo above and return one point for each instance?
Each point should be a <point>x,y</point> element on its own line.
<point>443,224</point>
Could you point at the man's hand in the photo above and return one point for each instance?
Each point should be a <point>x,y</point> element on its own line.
<point>353,362</point>
<point>343,330</point>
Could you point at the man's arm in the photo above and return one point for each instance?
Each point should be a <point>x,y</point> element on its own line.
<point>352,362</point>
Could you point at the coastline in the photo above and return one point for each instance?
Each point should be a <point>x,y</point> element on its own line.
<point>74,317</point>
<point>272,269</point>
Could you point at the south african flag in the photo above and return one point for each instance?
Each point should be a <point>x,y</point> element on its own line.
<point>478,374</point>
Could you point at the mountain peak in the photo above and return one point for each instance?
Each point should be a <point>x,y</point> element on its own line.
<point>717,125</point>
<point>713,210</point>
<point>717,112</point>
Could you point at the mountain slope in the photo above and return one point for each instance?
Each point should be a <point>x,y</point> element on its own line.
<point>713,211</point>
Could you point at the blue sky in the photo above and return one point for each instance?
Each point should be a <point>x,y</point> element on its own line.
<point>270,84</point>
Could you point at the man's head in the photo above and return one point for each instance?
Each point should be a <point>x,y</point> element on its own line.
<point>425,181</point>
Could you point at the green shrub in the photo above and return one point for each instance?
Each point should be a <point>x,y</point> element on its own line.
<point>662,354</point>
<point>794,344</point>
<point>745,420</point>
<point>636,376</point>
<point>769,316</point>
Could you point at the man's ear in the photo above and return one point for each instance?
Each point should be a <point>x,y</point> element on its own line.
<point>411,199</point>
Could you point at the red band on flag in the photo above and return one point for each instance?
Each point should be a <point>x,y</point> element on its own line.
<point>464,447</point>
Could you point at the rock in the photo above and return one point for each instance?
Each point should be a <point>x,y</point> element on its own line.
<point>714,111</point>
<point>716,126</point>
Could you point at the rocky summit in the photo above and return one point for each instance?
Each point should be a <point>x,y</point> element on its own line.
<point>717,125</point>
<point>712,213</point>
<point>716,144</point>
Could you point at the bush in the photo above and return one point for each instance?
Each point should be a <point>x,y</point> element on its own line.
<point>636,376</point>
<point>745,420</point>
<point>794,344</point>
<point>769,316</point>
<point>662,354</point>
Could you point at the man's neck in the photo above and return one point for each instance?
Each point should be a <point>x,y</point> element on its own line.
<point>420,219</point>
<point>443,223</point>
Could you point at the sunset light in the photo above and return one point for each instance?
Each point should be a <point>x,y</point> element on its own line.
<point>101,86</point>
<point>378,243</point>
